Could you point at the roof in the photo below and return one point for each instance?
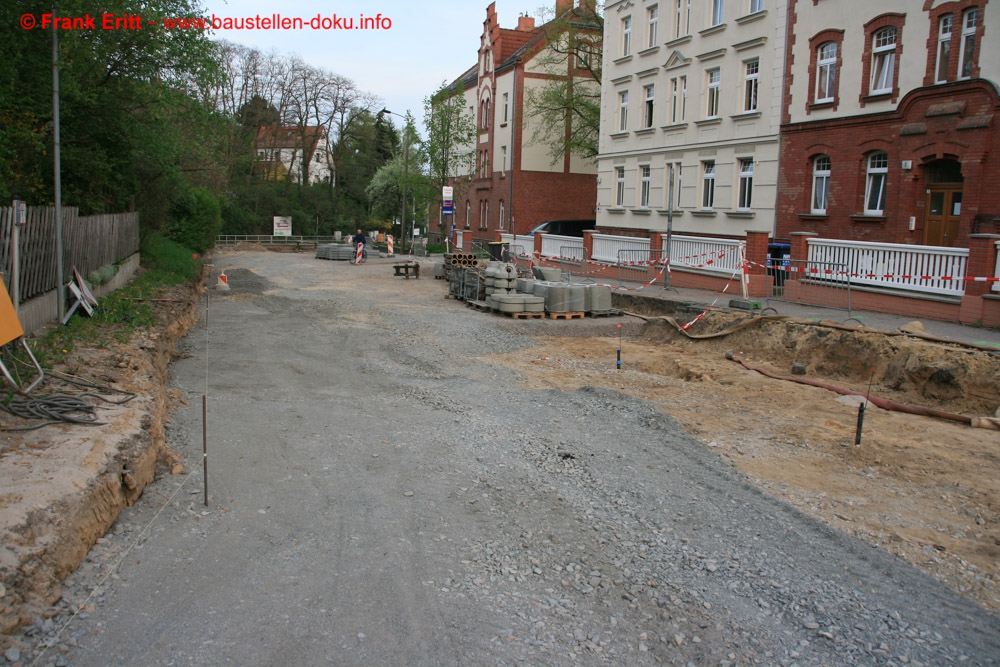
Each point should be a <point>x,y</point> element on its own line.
<point>289,136</point>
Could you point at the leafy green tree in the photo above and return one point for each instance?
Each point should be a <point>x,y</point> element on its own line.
<point>567,109</point>
<point>451,140</point>
<point>195,220</point>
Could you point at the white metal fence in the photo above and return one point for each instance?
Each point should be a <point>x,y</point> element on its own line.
<point>552,244</point>
<point>927,269</point>
<point>608,248</point>
<point>717,256</point>
<point>519,245</point>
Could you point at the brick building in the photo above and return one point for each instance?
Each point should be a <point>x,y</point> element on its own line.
<point>890,121</point>
<point>517,183</point>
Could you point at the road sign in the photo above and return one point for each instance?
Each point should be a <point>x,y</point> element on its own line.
<point>447,193</point>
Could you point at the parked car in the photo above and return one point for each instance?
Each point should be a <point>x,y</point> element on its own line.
<point>564,227</point>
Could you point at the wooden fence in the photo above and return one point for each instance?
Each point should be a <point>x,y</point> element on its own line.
<point>89,242</point>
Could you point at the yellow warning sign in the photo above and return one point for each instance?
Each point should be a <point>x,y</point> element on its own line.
<point>10,326</point>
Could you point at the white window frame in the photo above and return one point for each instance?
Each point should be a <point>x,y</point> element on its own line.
<point>970,21</point>
<point>756,6</point>
<point>506,106</point>
<point>652,21</point>
<point>648,108</point>
<point>674,99</point>
<point>645,173</point>
<point>502,221</point>
<point>826,72</point>
<point>883,60</point>
<point>619,187</point>
<point>713,78</point>
<point>708,185</point>
<point>820,199</point>
<point>751,85</point>
<point>876,183</point>
<point>468,214</point>
<point>623,111</point>
<point>943,58</point>
<point>682,18</point>
<point>744,200</point>
<point>626,36</point>
<point>677,183</point>
<point>503,165</point>
<point>718,13</point>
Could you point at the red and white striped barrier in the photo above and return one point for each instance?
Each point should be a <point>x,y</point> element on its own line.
<point>388,239</point>
<point>357,256</point>
<point>813,271</point>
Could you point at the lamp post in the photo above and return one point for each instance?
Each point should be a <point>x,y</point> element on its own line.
<point>406,174</point>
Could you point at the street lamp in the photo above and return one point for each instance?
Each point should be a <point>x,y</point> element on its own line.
<point>406,174</point>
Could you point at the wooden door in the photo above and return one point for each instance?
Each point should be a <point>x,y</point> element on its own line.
<point>941,215</point>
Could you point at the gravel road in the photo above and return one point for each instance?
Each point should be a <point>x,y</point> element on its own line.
<point>381,495</point>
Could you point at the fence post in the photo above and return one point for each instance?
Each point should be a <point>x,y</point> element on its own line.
<point>800,247</point>
<point>982,264</point>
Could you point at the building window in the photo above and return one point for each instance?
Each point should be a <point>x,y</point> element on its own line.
<point>626,36</point>
<point>878,174</point>
<point>883,61</point>
<point>682,18</point>
<point>653,16</point>
<point>718,8</point>
<point>678,99</point>
<point>970,20</point>
<point>708,184</point>
<point>644,172</point>
<point>821,185</point>
<point>756,6</point>
<point>647,116</point>
<point>745,200</point>
<point>714,79</point>
<point>750,84</point>
<point>506,106</point>
<point>468,213</point>
<point>503,159</point>
<point>502,221</point>
<point>619,186</point>
<point>623,111</point>
<point>677,184</point>
<point>943,49</point>
<point>826,72</point>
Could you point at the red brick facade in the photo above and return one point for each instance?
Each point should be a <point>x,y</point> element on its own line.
<point>947,125</point>
<point>528,197</point>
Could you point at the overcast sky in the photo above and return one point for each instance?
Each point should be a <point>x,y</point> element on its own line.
<point>427,43</point>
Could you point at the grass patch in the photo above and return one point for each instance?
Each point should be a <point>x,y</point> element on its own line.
<point>120,314</point>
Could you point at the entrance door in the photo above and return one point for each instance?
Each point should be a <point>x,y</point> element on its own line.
<point>944,207</point>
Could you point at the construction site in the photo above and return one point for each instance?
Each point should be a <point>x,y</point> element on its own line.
<point>883,430</point>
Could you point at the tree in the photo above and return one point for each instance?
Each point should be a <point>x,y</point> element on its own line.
<point>451,139</point>
<point>567,109</point>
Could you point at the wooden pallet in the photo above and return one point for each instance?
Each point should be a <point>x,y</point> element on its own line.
<point>525,315</point>
<point>479,305</point>
<point>565,316</point>
<point>604,313</point>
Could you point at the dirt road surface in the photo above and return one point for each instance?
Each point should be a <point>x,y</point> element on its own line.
<point>397,479</point>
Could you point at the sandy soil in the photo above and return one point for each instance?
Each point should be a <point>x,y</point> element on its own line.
<point>923,488</point>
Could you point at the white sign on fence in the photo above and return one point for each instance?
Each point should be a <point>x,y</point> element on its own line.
<point>282,225</point>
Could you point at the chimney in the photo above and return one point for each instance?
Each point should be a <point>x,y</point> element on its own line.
<point>563,6</point>
<point>525,23</point>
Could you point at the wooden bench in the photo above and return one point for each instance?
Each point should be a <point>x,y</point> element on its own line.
<point>406,269</point>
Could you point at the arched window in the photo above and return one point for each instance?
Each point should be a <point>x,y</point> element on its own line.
<point>826,72</point>
<point>821,184</point>
<point>943,49</point>
<point>883,60</point>
<point>468,213</point>
<point>502,221</point>
<point>878,176</point>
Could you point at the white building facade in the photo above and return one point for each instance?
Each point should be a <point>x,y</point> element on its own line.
<point>694,87</point>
